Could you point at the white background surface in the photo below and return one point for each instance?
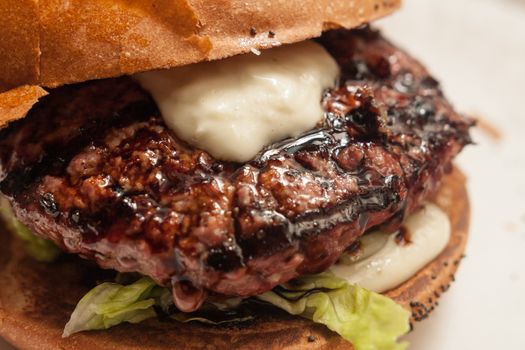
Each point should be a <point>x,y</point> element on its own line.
<point>477,49</point>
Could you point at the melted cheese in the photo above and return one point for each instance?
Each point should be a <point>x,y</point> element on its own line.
<point>234,107</point>
<point>382,263</point>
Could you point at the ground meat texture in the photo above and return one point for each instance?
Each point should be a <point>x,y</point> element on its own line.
<point>95,169</point>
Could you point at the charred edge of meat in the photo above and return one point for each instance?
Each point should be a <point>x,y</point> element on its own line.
<point>95,169</point>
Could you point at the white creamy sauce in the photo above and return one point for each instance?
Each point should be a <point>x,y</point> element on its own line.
<point>234,107</point>
<point>382,264</point>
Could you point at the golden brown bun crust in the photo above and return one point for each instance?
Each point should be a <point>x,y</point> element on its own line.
<point>55,42</point>
<point>15,103</point>
<point>37,299</point>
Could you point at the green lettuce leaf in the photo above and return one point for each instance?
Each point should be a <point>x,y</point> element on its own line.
<point>38,248</point>
<point>368,320</point>
<point>110,304</point>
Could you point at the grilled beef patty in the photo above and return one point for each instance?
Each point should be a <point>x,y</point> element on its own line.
<point>94,168</point>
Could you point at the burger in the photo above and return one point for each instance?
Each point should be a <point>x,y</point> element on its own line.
<point>221,174</point>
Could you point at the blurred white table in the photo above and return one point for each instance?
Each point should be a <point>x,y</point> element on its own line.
<point>477,49</point>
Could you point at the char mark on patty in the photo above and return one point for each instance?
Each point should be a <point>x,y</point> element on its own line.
<point>95,169</point>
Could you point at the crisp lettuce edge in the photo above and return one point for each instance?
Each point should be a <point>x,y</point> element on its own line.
<point>368,320</point>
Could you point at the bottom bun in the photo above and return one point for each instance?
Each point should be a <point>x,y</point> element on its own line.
<point>36,300</point>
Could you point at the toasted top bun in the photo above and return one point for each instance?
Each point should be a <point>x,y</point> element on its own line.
<point>37,299</point>
<point>15,103</point>
<point>56,42</point>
